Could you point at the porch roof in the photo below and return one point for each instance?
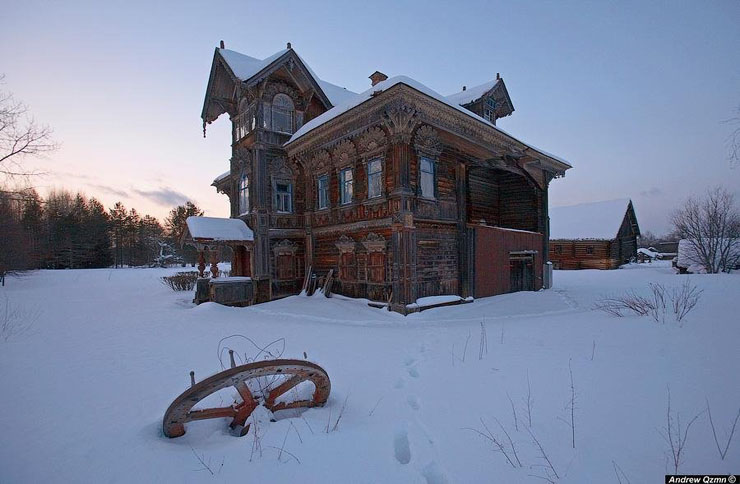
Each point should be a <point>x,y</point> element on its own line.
<point>215,229</point>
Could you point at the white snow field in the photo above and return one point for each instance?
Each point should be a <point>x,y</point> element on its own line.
<point>85,386</point>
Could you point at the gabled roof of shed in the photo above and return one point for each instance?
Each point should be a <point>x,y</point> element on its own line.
<point>596,220</point>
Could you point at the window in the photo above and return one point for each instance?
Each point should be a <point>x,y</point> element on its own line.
<point>376,267</point>
<point>491,103</point>
<point>347,267</point>
<point>590,249</point>
<point>282,113</point>
<point>285,266</point>
<point>284,197</point>
<point>244,121</point>
<point>427,183</point>
<point>345,186</point>
<point>244,194</point>
<point>374,178</point>
<point>323,189</point>
<point>487,114</point>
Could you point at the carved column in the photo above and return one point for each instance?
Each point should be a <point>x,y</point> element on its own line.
<point>214,262</point>
<point>201,263</point>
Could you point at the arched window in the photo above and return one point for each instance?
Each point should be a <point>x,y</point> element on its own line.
<point>282,113</point>
<point>244,194</point>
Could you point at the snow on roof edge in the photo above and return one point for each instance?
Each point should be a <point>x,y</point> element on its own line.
<point>365,96</point>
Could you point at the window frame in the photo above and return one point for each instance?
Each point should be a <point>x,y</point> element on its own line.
<point>243,194</point>
<point>379,174</point>
<point>283,195</point>
<point>319,191</point>
<point>433,163</point>
<point>343,182</point>
<point>280,111</point>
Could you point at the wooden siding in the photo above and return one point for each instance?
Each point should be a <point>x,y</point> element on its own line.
<point>493,248</point>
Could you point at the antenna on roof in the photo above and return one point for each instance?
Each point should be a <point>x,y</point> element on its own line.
<point>223,46</point>
<point>289,46</point>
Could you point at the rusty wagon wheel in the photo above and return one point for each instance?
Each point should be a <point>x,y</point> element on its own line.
<point>293,371</point>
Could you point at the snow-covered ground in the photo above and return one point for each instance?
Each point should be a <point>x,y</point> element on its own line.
<point>84,387</point>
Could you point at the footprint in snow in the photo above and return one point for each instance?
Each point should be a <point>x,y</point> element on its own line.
<point>401,447</point>
<point>433,474</point>
<point>413,372</point>
<point>413,402</point>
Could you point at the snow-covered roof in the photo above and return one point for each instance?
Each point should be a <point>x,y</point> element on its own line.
<point>219,229</point>
<point>221,177</point>
<point>245,67</point>
<point>357,99</point>
<point>472,94</point>
<point>597,220</point>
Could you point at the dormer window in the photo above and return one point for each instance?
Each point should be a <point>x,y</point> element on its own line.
<point>283,113</point>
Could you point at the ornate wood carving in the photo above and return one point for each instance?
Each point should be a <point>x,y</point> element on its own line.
<point>344,154</point>
<point>401,119</point>
<point>276,87</point>
<point>374,242</point>
<point>371,142</point>
<point>427,142</point>
<point>285,247</point>
<point>320,162</point>
<point>345,244</point>
<point>280,169</point>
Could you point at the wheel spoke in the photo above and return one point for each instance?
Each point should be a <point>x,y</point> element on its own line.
<point>207,413</point>
<point>283,388</point>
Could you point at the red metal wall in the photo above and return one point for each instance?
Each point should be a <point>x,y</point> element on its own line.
<point>492,248</point>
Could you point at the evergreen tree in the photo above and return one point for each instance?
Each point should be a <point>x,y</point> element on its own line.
<point>175,226</point>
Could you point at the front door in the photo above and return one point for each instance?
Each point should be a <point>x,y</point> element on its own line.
<point>521,272</point>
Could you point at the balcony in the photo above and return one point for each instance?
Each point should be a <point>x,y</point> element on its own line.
<point>245,123</point>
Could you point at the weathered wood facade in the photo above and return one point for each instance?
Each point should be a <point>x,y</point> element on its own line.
<point>396,194</point>
<point>598,253</point>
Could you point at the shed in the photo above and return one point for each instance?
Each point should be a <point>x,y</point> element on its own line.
<point>598,235</point>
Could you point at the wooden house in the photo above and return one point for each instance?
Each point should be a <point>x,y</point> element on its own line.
<point>400,192</point>
<point>599,235</point>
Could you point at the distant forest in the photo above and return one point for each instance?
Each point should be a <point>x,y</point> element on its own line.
<point>65,230</point>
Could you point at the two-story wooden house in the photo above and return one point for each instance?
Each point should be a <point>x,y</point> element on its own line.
<point>402,192</point>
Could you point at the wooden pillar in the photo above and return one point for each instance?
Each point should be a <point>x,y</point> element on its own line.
<point>214,263</point>
<point>201,263</point>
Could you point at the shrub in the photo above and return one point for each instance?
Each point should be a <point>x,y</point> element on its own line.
<point>182,281</point>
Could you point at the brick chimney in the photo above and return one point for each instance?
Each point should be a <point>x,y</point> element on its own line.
<point>377,77</point>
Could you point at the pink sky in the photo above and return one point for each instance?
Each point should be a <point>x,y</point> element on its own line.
<point>633,95</point>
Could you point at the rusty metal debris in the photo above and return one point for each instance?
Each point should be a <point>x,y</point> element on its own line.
<point>264,383</point>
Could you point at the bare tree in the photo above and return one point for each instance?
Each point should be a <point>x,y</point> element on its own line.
<point>734,139</point>
<point>712,228</point>
<point>20,137</point>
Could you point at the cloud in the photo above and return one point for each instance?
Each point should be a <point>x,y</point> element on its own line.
<point>164,196</point>
<point>652,192</point>
<point>109,190</point>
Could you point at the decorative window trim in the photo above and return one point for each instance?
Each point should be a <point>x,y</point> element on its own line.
<point>374,242</point>
<point>285,247</point>
<point>345,244</point>
<point>372,143</point>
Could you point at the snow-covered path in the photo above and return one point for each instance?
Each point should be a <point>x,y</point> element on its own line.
<point>86,385</point>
